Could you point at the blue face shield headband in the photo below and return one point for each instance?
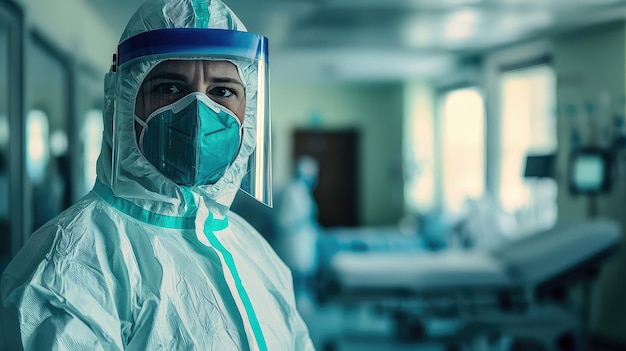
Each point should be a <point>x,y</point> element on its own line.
<point>249,52</point>
<point>191,141</point>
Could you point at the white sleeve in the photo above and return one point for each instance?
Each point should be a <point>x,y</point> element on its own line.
<point>41,326</point>
<point>69,314</point>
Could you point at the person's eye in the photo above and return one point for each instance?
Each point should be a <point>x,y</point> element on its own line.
<point>221,92</point>
<point>168,89</point>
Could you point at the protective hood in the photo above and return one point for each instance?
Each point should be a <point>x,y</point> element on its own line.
<point>128,174</point>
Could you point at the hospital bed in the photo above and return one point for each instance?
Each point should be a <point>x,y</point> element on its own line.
<point>521,288</point>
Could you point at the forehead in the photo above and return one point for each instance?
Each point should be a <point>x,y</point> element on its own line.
<point>191,69</point>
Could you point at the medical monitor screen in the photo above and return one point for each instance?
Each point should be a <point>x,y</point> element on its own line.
<point>540,166</point>
<point>590,172</point>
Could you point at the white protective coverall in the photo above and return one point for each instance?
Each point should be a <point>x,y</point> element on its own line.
<point>141,263</point>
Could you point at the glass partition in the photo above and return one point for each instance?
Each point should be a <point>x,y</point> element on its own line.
<point>89,102</point>
<point>91,136</point>
<point>5,238</point>
<point>11,166</point>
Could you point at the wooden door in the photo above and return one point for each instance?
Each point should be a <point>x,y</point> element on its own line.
<point>337,190</point>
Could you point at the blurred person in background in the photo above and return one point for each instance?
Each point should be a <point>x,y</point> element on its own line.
<point>298,227</point>
<point>152,258</point>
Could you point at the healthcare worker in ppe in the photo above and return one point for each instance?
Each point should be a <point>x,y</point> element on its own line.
<point>152,259</point>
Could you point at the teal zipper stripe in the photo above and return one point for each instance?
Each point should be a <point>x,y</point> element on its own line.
<point>211,225</point>
<point>137,212</point>
<point>201,9</point>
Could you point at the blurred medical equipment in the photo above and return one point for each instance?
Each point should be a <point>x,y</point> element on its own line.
<point>519,290</point>
<point>590,174</point>
<point>590,171</point>
<point>540,210</point>
<point>540,166</point>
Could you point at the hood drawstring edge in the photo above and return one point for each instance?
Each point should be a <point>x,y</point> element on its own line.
<point>129,208</point>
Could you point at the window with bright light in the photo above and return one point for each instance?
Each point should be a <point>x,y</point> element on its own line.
<point>528,127</point>
<point>38,150</point>
<point>419,150</point>
<point>463,147</point>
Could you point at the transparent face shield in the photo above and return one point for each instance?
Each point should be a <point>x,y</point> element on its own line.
<point>200,113</point>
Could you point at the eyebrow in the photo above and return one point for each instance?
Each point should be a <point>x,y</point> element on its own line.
<point>168,75</point>
<point>226,80</point>
<point>182,77</point>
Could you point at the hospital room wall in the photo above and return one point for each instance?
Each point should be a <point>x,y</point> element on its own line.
<point>372,109</point>
<point>73,27</point>
<point>591,68</point>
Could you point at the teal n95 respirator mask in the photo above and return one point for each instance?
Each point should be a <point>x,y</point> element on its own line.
<point>191,141</point>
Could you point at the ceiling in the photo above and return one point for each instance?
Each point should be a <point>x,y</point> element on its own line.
<point>391,39</point>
